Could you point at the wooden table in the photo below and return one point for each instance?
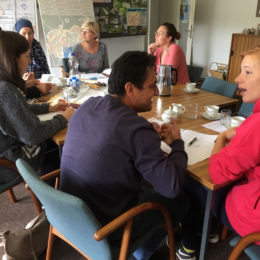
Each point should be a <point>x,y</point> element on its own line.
<point>198,171</point>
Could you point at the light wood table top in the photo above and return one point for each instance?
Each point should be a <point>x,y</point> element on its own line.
<point>198,171</point>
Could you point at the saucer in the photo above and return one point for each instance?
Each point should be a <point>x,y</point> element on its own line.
<point>205,115</point>
<point>193,91</point>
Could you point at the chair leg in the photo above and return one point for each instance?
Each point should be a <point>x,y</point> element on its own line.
<point>36,202</point>
<point>11,195</point>
<point>50,244</point>
<point>224,233</point>
<point>125,240</point>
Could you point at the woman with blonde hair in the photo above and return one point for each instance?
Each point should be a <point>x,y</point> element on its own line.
<point>91,53</point>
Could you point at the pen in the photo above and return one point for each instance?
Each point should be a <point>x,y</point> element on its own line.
<point>193,141</point>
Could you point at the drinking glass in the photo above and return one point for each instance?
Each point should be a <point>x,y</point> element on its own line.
<point>225,117</point>
<point>193,110</point>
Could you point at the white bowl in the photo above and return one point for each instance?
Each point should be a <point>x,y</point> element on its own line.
<point>237,121</point>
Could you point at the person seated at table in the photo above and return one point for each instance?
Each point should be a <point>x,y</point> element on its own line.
<point>91,53</point>
<point>38,65</point>
<point>167,52</point>
<point>235,158</point>
<point>109,149</point>
<point>22,134</point>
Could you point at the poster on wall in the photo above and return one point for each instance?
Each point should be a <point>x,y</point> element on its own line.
<point>61,21</point>
<point>12,10</point>
<point>121,18</point>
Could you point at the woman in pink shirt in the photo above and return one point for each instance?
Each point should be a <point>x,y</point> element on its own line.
<point>167,52</point>
<point>236,154</point>
<point>235,158</point>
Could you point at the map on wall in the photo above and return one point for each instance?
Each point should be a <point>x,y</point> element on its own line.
<point>61,21</point>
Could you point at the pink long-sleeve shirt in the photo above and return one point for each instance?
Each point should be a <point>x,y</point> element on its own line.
<point>240,160</point>
<point>175,57</point>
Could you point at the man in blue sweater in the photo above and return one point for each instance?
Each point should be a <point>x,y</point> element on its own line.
<point>109,149</point>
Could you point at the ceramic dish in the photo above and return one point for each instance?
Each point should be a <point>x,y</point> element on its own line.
<point>205,115</point>
<point>193,91</point>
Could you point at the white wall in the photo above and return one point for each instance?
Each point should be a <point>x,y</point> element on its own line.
<point>214,23</point>
<point>117,46</point>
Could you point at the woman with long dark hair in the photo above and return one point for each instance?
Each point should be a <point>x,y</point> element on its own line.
<point>22,134</point>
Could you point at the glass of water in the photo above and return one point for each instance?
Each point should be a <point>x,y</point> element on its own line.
<point>225,117</point>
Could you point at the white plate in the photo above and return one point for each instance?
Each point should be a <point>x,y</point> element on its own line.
<point>205,115</point>
<point>193,91</point>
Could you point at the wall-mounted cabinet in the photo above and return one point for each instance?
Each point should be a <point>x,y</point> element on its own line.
<point>240,43</point>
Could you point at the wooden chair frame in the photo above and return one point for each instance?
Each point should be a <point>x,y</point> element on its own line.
<point>11,165</point>
<point>242,244</point>
<point>126,219</point>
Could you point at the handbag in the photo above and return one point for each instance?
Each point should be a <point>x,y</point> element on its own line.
<point>28,243</point>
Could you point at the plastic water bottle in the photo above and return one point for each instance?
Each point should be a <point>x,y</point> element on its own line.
<point>74,78</point>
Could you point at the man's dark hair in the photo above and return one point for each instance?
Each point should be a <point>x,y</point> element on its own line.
<point>130,67</point>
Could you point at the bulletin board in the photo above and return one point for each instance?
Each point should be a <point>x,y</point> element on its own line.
<point>118,18</point>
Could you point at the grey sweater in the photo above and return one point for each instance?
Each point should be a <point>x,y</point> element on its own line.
<point>22,134</point>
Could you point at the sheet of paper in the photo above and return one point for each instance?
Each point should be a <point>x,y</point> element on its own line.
<point>198,151</point>
<point>201,148</point>
<point>216,126</point>
<point>48,116</point>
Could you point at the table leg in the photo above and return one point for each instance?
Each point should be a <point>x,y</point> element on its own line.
<point>206,224</point>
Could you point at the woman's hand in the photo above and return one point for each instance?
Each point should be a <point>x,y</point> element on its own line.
<point>223,139</point>
<point>170,132</point>
<point>68,113</point>
<point>59,105</point>
<point>32,82</point>
<point>152,48</point>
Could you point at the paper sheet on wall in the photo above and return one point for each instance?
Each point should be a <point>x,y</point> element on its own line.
<point>199,150</point>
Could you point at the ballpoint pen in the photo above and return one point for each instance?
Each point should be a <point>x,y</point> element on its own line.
<point>192,141</point>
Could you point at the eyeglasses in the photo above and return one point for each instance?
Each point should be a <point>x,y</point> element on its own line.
<point>87,31</point>
<point>159,33</point>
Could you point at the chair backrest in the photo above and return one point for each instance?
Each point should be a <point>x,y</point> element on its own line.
<point>194,73</point>
<point>246,109</point>
<point>68,214</point>
<point>219,86</point>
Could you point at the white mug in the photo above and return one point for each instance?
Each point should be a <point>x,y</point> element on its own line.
<point>178,108</point>
<point>212,111</point>
<point>190,86</point>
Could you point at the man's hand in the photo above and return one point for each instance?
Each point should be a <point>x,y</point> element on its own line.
<point>170,132</point>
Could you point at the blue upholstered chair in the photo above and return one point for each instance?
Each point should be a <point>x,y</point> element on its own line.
<point>245,243</point>
<point>72,220</point>
<point>219,86</point>
<point>194,73</point>
<point>246,109</point>
<point>15,179</point>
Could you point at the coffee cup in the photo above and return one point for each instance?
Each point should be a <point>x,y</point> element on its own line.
<point>178,109</point>
<point>190,86</point>
<point>212,111</point>
<point>237,121</point>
